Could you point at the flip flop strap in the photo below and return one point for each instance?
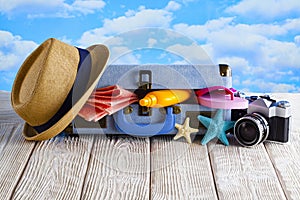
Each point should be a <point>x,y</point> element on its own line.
<point>204,91</point>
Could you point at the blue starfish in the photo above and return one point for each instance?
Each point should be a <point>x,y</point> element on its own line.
<point>216,127</point>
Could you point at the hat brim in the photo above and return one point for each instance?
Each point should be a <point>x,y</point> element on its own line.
<point>99,56</point>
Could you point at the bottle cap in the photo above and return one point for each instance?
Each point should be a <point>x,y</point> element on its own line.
<point>148,101</point>
<point>145,101</point>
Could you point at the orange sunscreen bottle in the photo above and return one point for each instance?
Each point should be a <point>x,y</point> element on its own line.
<point>164,98</point>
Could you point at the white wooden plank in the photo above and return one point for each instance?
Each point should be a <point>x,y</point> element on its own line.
<point>14,154</point>
<point>286,160</point>
<point>244,173</point>
<point>56,169</point>
<point>7,114</point>
<point>119,169</point>
<point>286,157</point>
<point>180,170</point>
<point>5,101</point>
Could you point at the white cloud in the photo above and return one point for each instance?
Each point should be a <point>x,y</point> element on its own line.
<point>193,54</point>
<point>280,54</point>
<point>228,25</point>
<point>143,18</point>
<point>284,73</point>
<point>187,1</point>
<point>151,42</point>
<point>236,62</point>
<point>257,85</point>
<point>297,40</point>
<point>295,78</point>
<point>130,13</point>
<point>267,9</point>
<point>292,24</point>
<point>53,8</point>
<point>201,32</point>
<point>8,6</point>
<point>239,65</point>
<point>247,82</point>
<point>122,55</point>
<point>220,23</point>
<point>87,7</point>
<point>256,43</point>
<point>65,39</point>
<point>173,6</point>
<point>277,87</point>
<point>13,50</point>
<point>254,51</point>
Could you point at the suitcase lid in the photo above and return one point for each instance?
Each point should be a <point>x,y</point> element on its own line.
<point>166,76</point>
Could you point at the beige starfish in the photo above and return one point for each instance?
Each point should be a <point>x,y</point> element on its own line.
<point>185,130</point>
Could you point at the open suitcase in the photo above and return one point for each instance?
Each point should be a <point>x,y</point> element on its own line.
<point>141,79</point>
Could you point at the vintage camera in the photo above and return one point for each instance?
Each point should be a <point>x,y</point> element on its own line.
<point>265,119</point>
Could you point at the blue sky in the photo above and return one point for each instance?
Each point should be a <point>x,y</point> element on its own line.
<point>259,39</point>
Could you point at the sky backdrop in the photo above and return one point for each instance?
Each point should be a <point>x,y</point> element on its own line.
<point>260,40</point>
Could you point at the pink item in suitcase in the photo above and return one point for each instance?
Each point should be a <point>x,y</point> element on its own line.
<point>106,101</point>
<point>220,97</point>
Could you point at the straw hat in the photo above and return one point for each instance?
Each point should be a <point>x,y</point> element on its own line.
<point>53,84</point>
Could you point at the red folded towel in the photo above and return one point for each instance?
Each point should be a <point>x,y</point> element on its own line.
<point>106,101</point>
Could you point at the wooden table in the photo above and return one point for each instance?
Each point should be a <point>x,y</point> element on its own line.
<point>124,167</point>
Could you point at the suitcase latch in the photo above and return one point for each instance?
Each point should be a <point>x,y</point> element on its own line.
<point>145,83</point>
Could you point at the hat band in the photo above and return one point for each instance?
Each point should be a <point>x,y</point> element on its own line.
<point>79,88</point>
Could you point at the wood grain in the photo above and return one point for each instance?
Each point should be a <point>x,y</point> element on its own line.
<point>119,169</point>
<point>5,101</point>
<point>56,169</point>
<point>244,173</point>
<point>180,170</point>
<point>7,114</point>
<point>286,157</point>
<point>14,153</point>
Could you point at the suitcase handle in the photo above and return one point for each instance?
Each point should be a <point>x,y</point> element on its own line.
<point>145,129</point>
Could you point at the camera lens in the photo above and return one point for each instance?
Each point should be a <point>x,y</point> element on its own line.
<point>248,131</point>
<point>251,129</point>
